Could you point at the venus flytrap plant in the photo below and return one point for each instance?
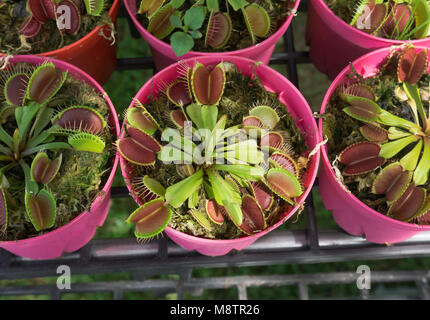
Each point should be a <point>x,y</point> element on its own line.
<point>223,173</point>
<point>208,23</point>
<point>399,20</point>
<point>39,136</point>
<point>402,144</point>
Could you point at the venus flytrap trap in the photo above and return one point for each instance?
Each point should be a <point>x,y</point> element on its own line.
<point>212,24</point>
<point>37,139</point>
<point>400,145</point>
<point>205,166</point>
<point>399,19</point>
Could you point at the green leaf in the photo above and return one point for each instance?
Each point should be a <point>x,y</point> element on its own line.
<point>194,111</point>
<point>390,119</point>
<point>237,4</point>
<point>46,146</point>
<point>176,3</point>
<point>178,193</point>
<point>176,21</point>
<point>202,218</point>
<point>226,196</point>
<point>212,5</point>
<point>244,151</point>
<point>195,34</point>
<point>29,112</point>
<point>418,109</point>
<point>194,17</point>
<point>84,141</point>
<point>409,162</point>
<point>244,171</point>
<point>5,137</point>
<point>181,43</point>
<point>421,173</point>
<point>30,186</point>
<point>209,116</point>
<point>390,149</point>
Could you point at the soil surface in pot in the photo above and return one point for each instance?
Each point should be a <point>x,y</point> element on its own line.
<point>82,174</point>
<point>13,13</point>
<point>397,20</point>
<point>241,95</point>
<point>240,37</point>
<point>345,132</point>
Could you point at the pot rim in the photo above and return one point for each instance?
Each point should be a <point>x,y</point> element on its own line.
<point>341,77</point>
<point>363,34</point>
<point>165,46</point>
<point>311,173</point>
<point>35,60</point>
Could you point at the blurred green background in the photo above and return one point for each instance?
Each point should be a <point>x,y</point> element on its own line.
<point>121,88</point>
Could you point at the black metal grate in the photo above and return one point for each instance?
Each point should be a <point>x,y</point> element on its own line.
<point>161,257</point>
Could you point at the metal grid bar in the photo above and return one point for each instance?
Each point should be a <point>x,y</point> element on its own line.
<point>164,257</point>
<point>194,286</point>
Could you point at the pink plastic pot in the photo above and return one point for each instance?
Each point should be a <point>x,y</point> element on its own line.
<point>298,108</point>
<point>80,230</point>
<point>163,54</point>
<point>350,213</point>
<point>334,43</point>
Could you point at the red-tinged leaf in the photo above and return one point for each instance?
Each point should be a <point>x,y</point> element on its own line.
<point>178,93</point>
<point>42,10</point>
<point>253,216</point>
<point>397,20</point>
<point>159,24</point>
<point>214,212</point>
<point>139,148</point>
<point>273,140</point>
<point>283,183</point>
<point>178,118</point>
<point>362,109</point>
<point>80,119</point>
<point>377,12</point>
<point>144,139</point>
<point>3,210</point>
<point>257,21</point>
<point>263,195</point>
<point>44,83</point>
<point>252,122</point>
<point>14,89</point>
<point>361,158</point>
<point>140,118</point>
<point>69,23</point>
<point>284,161</point>
<point>424,214</point>
<point>359,90</point>
<point>208,86</point>
<point>219,30</point>
<point>135,153</point>
<point>150,6</point>
<point>374,133</point>
<point>30,27</point>
<point>392,181</point>
<point>408,204</point>
<point>41,209</point>
<point>151,218</point>
<point>412,65</point>
<point>43,169</point>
